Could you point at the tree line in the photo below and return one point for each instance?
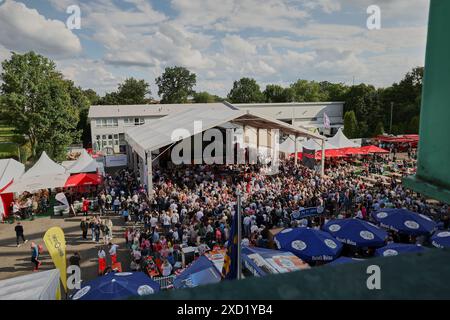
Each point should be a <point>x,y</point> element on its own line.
<point>51,111</point>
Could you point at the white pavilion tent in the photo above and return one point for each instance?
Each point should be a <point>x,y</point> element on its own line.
<point>168,130</point>
<point>288,145</point>
<point>45,174</point>
<point>10,170</point>
<point>314,144</point>
<point>339,140</point>
<point>44,285</point>
<point>84,164</point>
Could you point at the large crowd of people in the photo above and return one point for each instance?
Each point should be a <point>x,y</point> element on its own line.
<point>194,205</point>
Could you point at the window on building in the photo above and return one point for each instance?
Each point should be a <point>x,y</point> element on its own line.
<point>138,121</point>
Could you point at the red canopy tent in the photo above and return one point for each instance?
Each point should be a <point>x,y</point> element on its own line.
<point>373,149</point>
<point>354,151</point>
<point>83,179</point>
<point>331,153</point>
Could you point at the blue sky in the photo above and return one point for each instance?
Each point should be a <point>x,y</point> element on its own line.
<point>273,41</point>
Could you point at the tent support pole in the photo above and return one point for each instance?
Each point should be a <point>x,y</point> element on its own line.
<point>296,150</point>
<point>149,175</point>
<point>322,162</point>
<point>239,237</point>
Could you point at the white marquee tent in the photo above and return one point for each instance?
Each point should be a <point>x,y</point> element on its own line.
<point>313,144</point>
<point>84,164</point>
<point>45,174</point>
<point>341,141</point>
<point>44,285</point>
<point>178,126</point>
<point>288,145</point>
<point>10,170</point>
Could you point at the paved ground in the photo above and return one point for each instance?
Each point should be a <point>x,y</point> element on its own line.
<point>15,261</point>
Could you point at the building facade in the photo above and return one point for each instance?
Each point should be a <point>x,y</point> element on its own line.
<point>109,123</point>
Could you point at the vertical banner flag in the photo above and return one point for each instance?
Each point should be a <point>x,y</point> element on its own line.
<point>309,158</point>
<point>56,245</point>
<point>326,121</point>
<point>229,269</point>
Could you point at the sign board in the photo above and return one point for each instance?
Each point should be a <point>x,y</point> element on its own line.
<point>117,160</point>
<point>307,212</point>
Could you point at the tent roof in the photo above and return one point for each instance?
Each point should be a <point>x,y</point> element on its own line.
<point>44,166</point>
<point>313,144</point>
<point>10,169</point>
<point>158,133</point>
<point>84,163</point>
<point>35,286</point>
<point>288,145</point>
<point>341,141</point>
<point>44,174</point>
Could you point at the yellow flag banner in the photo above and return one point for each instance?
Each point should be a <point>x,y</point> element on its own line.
<point>56,245</point>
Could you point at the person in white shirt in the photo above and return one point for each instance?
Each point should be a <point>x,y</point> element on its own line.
<point>175,218</point>
<point>153,222</point>
<point>247,224</point>
<point>165,219</point>
<point>166,269</point>
<point>113,252</point>
<point>199,215</point>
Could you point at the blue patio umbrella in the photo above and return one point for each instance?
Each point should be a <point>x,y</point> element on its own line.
<point>309,244</point>
<point>441,239</point>
<point>202,271</point>
<point>394,249</point>
<point>356,232</point>
<point>344,260</point>
<point>114,286</point>
<point>405,221</point>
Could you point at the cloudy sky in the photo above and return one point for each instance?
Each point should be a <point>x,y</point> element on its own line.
<point>273,41</point>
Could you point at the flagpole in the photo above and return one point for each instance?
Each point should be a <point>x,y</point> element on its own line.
<point>239,233</point>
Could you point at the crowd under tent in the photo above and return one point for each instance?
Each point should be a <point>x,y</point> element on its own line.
<point>45,174</point>
<point>44,285</point>
<point>10,170</point>
<point>148,139</point>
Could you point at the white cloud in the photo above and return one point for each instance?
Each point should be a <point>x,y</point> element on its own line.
<point>90,73</point>
<point>24,29</point>
<point>274,41</point>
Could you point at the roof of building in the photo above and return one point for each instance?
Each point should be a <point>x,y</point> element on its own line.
<point>156,110</point>
<point>287,104</point>
<point>157,134</point>
<point>160,110</point>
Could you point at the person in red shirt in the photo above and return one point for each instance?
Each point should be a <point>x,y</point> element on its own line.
<point>85,206</point>
<point>218,236</point>
<point>101,261</point>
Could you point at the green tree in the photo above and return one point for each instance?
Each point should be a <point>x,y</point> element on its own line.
<point>350,125</point>
<point>406,96</point>
<point>246,90</point>
<point>364,101</point>
<point>413,125</point>
<point>92,96</point>
<point>333,91</point>
<point>205,97</point>
<point>307,91</point>
<point>37,102</point>
<point>131,91</point>
<point>176,84</point>
<point>275,93</point>
<point>379,130</point>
